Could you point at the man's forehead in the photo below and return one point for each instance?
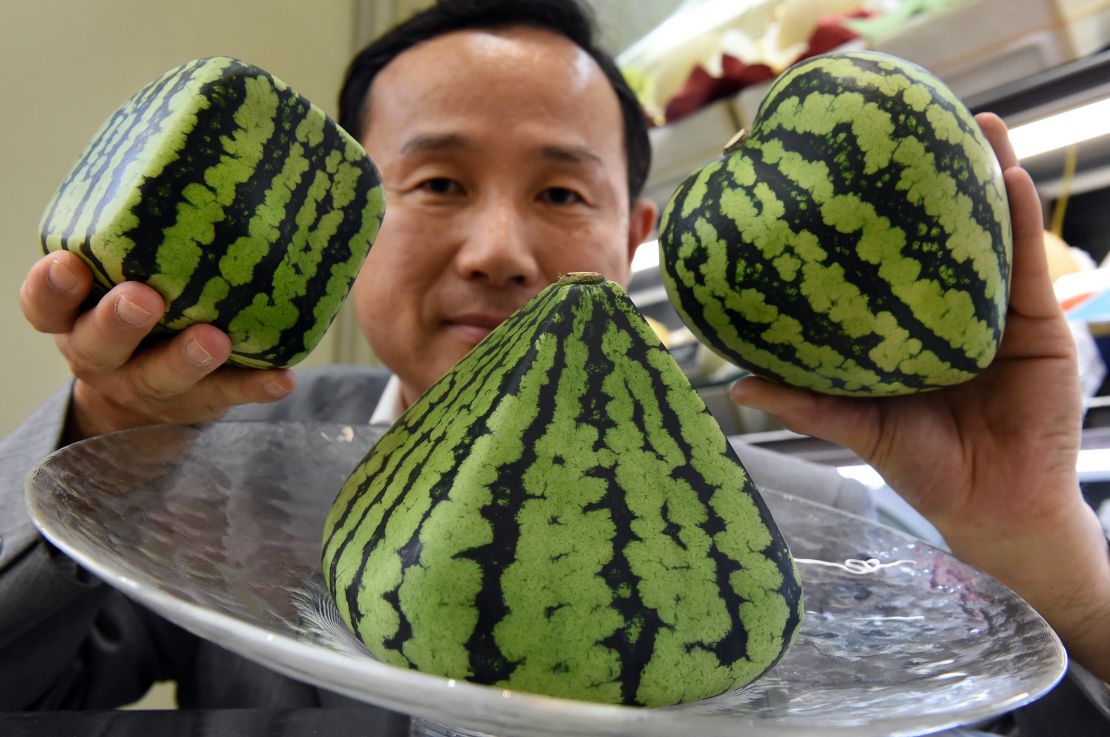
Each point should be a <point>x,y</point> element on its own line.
<point>510,50</point>
<point>519,89</point>
<point>567,153</point>
<point>517,40</point>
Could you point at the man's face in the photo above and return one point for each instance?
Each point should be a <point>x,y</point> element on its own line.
<point>503,158</point>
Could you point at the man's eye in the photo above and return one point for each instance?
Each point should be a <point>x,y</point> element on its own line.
<point>561,196</point>
<point>440,185</point>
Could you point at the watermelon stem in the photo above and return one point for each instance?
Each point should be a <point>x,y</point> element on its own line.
<point>581,277</point>
<point>736,141</point>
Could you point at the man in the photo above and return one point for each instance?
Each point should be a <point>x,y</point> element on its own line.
<point>509,157</point>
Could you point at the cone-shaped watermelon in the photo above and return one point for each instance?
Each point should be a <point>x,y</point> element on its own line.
<point>560,514</point>
<point>857,241</point>
<point>236,198</point>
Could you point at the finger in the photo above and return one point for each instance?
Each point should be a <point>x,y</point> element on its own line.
<point>189,363</point>
<point>105,337</point>
<point>53,291</point>
<point>170,384</point>
<point>216,393</point>
<point>234,386</point>
<point>168,370</point>
<point>995,131</point>
<point>844,421</point>
<point>1031,286</point>
<point>221,390</point>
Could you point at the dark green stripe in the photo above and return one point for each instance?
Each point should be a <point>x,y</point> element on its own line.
<point>888,201</point>
<point>137,121</point>
<point>842,250</point>
<point>908,125</point>
<point>502,513</point>
<point>634,640</point>
<point>419,432</point>
<point>145,122</point>
<point>158,210</point>
<point>119,128</point>
<point>728,650</point>
<point>229,96</point>
<point>422,433</point>
<point>583,355</point>
<point>336,251</point>
<point>112,134</point>
<point>250,196</point>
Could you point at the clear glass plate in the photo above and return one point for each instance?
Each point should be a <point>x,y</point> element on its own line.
<point>217,527</point>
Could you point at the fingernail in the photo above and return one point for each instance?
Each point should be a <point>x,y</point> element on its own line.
<point>131,313</point>
<point>278,388</point>
<point>195,352</point>
<point>60,277</point>
<point>738,391</point>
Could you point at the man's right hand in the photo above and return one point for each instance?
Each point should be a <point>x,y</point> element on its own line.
<point>120,385</point>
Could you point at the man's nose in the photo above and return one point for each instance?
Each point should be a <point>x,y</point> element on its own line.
<point>497,248</point>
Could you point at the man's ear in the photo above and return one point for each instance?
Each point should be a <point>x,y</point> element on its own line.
<point>641,221</point>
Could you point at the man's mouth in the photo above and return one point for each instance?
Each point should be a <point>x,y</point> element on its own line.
<point>474,327</point>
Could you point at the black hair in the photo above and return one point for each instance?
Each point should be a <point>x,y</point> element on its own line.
<point>567,18</point>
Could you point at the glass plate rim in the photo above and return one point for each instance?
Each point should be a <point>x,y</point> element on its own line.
<point>591,717</point>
